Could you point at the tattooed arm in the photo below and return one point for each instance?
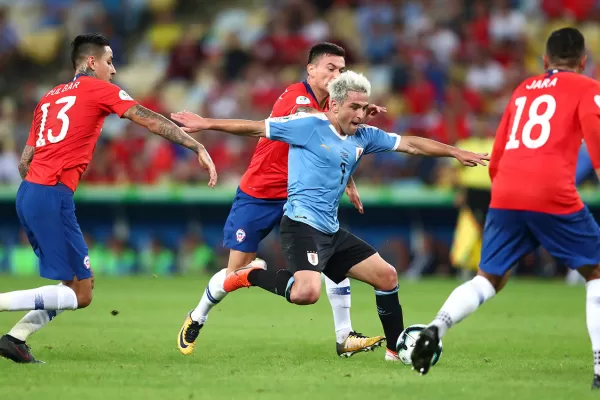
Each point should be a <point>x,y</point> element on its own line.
<point>161,126</point>
<point>26,158</point>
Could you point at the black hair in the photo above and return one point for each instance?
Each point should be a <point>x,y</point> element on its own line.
<point>323,48</point>
<point>87,45</point>
<point>565,46</point>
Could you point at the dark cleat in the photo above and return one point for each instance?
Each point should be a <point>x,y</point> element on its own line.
<point>186,340</point>
<point>426,346</point>
<point>16,351</point>
<point>596,382</point>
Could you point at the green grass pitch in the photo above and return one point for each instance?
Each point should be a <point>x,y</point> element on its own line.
<point>529,343</point>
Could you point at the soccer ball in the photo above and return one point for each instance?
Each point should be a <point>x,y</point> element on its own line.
<point>406,343</point>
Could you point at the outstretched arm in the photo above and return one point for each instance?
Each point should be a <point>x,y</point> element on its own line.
<point>26,158</point>
<point>240,127</point>
<point>426,147</point>
<point>161,126</point>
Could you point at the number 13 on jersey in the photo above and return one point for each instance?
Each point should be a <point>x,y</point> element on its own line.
<point>68,101</point>
<point>535,118</point>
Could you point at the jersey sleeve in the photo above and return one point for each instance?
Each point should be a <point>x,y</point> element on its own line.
<point>289,102</point>
<point>32,138</point>
<point>294,129</point>
<point>379,141</point>
<point>589,118</point>
<point>113,99</point>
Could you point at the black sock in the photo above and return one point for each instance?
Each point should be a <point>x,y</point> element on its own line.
<point>274,282</point>
<point>390,314</point>
<point>14,340</point>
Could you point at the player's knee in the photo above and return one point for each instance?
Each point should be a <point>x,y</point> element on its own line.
<point>83,291</point>
<point>387,279</point>
<point>497,281</point>
<point>84,298</point>
<point>305,294</point>
<point>590,272</point>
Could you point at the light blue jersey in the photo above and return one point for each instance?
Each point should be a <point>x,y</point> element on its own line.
<point>320,163</point>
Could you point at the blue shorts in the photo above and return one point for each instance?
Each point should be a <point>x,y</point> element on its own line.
<point>573,239</point>
<point>250,221</point>
<point>47,214</point>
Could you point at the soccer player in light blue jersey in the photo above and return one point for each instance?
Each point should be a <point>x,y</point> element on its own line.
<point>325,149</point>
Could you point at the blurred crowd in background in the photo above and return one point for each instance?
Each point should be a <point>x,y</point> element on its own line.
<point>443,68</point>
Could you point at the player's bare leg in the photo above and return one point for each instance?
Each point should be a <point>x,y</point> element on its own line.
<point>213,294</point>
<point>13,345</point>
<point>591,274</point>
<point>461,303</point>
<point>383,277</point>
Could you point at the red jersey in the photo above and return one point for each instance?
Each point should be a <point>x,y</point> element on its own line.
<point>267,175</point>
<point>535,152</point>
<point>66,125</point>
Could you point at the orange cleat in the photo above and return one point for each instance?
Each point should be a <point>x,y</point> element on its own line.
<point>239,278</point>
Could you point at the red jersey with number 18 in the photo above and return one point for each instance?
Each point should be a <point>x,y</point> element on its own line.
<point>535,151</point>
<point>66,126</point>
<point>266,177</point>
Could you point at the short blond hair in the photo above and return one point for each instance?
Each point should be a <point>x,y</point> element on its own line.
<point>348,81</point>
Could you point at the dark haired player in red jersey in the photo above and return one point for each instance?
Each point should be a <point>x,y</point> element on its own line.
<point>534,200</point>
<point>66,126</point>
<point>258,206</point>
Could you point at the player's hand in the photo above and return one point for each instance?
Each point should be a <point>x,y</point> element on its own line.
<point>354,197</point>
<point>207,163</point>
<point>470,159</point>
<point>373,111</point>
<point>191,122</point>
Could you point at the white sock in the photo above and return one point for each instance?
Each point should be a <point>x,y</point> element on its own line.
<point>213,294</point>
<point>462,302</point>
<point>32,322</point>
<point>56,297</point>
<point>593,319</point>
<point>339,297</point>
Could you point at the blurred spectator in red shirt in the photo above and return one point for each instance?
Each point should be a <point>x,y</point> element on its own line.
<point>185,58</point>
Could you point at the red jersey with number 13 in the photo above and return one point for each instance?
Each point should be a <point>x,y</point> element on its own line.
<point>537,142</point>
<point>66,126</point>
<point>267,175</point>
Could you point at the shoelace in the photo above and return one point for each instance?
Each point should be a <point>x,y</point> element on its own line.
<point>358,335</point>
<point>192,332</point>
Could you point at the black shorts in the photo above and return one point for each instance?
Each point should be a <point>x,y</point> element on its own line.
<point>308,249</point>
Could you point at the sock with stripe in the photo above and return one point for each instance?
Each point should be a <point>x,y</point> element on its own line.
<point>462,302</point>
<point>390,315</point>
<point>212,295</point>
<point>339,297</point>
<point>277,282</point>
<point>32,322</point>
<point>593,319</point>
<point>55,297</point>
